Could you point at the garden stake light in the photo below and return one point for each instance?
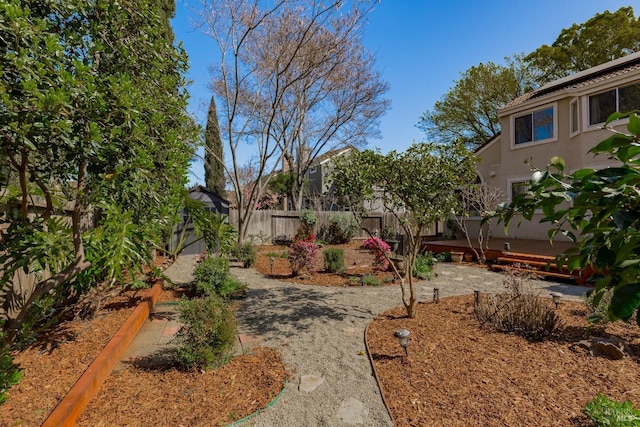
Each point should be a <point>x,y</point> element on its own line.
<point>507,246</point>
<point>403,339</point>
<point>271,261</point>
<point>436,295</point>
<point>476,298</point>
<point>556,298</point>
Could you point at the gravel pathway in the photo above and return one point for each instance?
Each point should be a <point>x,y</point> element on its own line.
<point>320,331</point>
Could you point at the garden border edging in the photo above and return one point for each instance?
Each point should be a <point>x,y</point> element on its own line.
<point>69,409</point>
<point>373,367</point>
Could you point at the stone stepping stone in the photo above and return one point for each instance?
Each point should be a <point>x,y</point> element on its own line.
<point>308,383</point>
<point>353,412</point>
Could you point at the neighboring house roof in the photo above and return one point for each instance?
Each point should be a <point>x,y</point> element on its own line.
<point>325,157</point>
<point>608,70</point>
<point>203,189</point>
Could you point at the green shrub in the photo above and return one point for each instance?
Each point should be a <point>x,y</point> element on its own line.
<point>246,253</point>
<point>308,219</point>
<point>333,259</point>
<point>423,266</point>
<point>9,373</point>
<point>605,412</point>
<point>443,256</point>
<point>206,340</point>
<point>342,228</point>
<point>370,280</point>
<point>211,277</point>
<point>388,234</point>
<point>517,311</point>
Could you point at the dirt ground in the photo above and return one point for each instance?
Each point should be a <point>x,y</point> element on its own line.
<point>456,373</point>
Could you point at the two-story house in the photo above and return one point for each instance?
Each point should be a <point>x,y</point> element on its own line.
<point>563,118</point>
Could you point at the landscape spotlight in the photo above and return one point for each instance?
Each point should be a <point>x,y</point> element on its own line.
<point>556,298</point>
<point>476,298</point>
<point>403,339</point>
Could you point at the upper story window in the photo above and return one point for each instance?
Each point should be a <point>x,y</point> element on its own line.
<point>603,104</point>
<point>536,126</point>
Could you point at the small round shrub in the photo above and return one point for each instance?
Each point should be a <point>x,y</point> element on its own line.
<point>333,259</point>
<point>209,276</point>
<point>342,228</point>
<point>371,280</point>
<point>423,266</point>
<point>302,256</point>
<point>246,253</point>
<point>206,340</point>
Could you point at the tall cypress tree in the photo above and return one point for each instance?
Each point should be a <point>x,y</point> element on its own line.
<point>213,153</point>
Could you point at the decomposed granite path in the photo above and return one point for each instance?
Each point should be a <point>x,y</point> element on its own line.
<point>320,332</point>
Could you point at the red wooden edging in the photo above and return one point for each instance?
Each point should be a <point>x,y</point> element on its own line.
<point>71,406</point>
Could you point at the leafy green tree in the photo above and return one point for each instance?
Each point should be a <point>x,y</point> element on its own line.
<point>604,206</point>
<point>604,37</point>
<point>468,112</point>
<point>93,114</point>
<point>417,186</point>
<point>214,177</point>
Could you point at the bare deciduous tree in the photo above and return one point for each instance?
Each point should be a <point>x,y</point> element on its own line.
<point>294,81</point>
<point>477,200</point>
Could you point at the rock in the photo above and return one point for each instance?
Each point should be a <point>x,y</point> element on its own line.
<point>611,347</point>
<point>353,412</point>
<point>607,349</point>
<point>308,383</point>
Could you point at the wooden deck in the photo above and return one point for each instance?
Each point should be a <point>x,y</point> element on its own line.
<point>497,247</point>
<point>530,255</point>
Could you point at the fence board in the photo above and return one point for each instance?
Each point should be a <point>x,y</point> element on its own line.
<point>267,224</point>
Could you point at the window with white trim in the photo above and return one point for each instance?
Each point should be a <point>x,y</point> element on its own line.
<point>575,117</point>
<point>538,125</point>
<point>518,187</point>
<point>603,104</point>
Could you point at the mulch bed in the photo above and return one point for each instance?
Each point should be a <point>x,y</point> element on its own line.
<point>137,396</point>
<point>358,262</point>
<point>459,374</point>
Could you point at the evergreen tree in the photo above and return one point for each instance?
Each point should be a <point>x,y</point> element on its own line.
<point>213,153</point>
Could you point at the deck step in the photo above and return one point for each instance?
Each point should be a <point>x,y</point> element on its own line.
<point>558,275</point>
<point>540,265</point>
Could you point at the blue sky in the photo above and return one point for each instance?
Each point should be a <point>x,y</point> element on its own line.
<point>421,48</point>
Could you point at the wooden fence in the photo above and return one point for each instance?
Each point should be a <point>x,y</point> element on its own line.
<point>267,224</point>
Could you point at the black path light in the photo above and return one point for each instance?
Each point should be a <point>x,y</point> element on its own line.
<point>271,261</point>
<point>403,339</point>
<point>436,295</point>
<point>476,298</point>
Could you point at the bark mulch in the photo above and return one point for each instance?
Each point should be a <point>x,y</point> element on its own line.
<point>460,374</point>
<point>357,263</point>
<point>137,396</point>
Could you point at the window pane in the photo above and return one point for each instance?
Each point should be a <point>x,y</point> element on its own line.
<point>574,117</point>
<point>601,106</point>
<point>629,98</point>
<point>523,129</point>
<point>519,187</point>
<point>543,124</point>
